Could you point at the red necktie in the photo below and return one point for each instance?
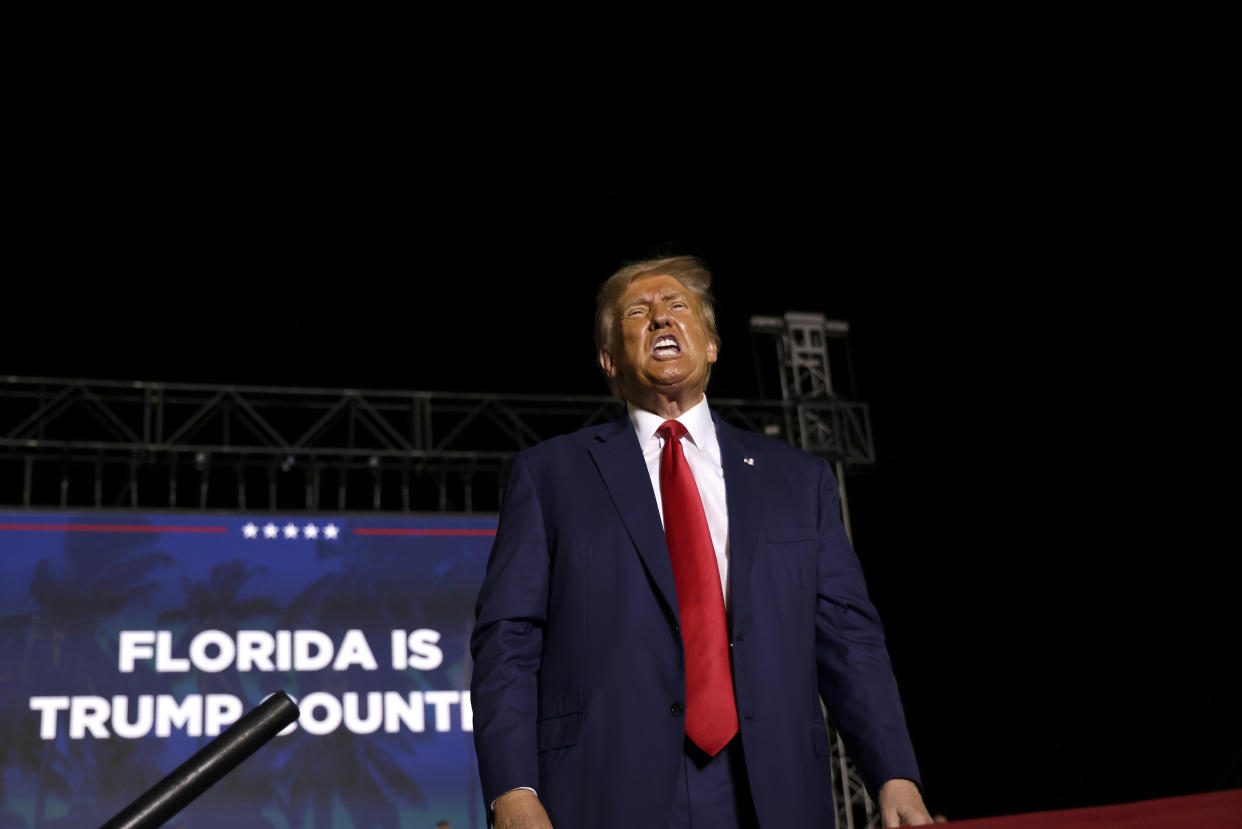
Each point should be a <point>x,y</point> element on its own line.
<point>711,714</point>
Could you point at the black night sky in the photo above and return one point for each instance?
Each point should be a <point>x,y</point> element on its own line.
<point>1021,260</point>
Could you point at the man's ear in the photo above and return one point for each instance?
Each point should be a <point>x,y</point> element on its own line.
<point>711,351</point>
<point>605,362</point>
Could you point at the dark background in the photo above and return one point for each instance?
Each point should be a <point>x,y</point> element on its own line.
<point>1027,259</point>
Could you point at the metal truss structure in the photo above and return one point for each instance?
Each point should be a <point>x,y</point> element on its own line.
<point>805,361</point>
<point>97,443</point>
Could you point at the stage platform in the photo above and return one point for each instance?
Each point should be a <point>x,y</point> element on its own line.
<point>1214,810</point>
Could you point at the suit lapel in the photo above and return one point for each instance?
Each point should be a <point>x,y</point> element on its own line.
<point>743,493</point>
<point>619,459</point>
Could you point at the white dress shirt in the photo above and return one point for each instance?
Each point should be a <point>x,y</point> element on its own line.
<point>702,452</point>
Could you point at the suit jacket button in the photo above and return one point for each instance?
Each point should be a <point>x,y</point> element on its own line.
<point>676,709</point>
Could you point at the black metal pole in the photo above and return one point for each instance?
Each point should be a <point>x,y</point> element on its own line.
<point>213,761</point>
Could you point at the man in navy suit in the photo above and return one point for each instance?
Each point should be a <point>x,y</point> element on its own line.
<point>617,681</point>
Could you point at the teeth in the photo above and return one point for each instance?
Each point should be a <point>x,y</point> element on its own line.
<point>666,342</point>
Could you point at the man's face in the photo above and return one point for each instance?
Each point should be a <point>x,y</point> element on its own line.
<point>661,349</point>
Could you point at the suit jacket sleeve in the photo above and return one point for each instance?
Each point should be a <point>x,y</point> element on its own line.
<point>855,675</point>
<point>508,641</point>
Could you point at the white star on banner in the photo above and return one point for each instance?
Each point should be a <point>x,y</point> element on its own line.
<point>310,531</point>
<point>270,530</point>
<point>250,530</point>
<point>331,532</point>
<point>291,531</point>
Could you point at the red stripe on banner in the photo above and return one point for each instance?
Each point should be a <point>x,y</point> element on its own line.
<point>425,531</point>
<point>109,528</point>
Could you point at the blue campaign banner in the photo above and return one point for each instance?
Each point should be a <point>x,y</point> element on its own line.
<point>128,641</point>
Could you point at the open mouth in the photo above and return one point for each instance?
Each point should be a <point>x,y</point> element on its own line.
<point>665,346</point>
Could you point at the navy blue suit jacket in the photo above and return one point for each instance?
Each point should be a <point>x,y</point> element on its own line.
<point>579,672</point>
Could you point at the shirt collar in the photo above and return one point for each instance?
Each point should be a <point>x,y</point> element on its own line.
<point>697,420</point>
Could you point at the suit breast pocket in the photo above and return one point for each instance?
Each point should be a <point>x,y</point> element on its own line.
<point>788,556</point>
<point>789,533</point>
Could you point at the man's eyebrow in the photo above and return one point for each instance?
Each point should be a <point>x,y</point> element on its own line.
<point>671,293</point>
<point>637,302</point>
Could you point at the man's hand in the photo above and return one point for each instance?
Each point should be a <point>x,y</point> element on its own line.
<point>521,809</point>
<point>900,804</point>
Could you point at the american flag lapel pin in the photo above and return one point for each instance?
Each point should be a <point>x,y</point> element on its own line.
<point>748,461</point>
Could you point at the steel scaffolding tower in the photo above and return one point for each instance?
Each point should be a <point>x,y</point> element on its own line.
<point>805,365</point>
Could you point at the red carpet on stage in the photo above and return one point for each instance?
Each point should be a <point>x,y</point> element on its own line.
<point>1215,810</point>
